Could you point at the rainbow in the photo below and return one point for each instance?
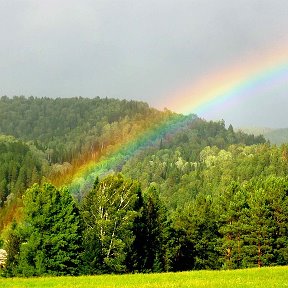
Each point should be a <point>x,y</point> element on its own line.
<point>86,176</point>
<point>255,75</point>
<point>252,76</point>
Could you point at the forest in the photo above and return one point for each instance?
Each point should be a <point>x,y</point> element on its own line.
<point>199,195</point>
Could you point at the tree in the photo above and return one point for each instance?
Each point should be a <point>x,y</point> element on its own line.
<point>12,248</point>
<point>258,239</point>
<point>197,224</point>
<point>277,189</point>
<point>109,213</point>
<point>51,233</point>
<point>268,220</point>
<point>155,233</point>
<point>135,259</point>
<point>231,205</point>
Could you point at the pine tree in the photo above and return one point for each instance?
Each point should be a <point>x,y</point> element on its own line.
<point>258,238</point>
<point>198,226</point>
<point>230,210</point>
<point>156,228</point>
<point>135,259</point>
<point>277,192</point>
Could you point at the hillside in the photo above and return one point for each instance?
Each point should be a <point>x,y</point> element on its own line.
<point>60,134</point>
<point>64,128</point>
<point>191,194</point>
<point>66,132</point>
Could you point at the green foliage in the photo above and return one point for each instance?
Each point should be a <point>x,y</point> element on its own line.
<point>60,135</point>
<point>124,231</point>
<point>12,247</point>
<point>180,175</point>
<point>50,234</point>
<point>213,198</point>
<point>109,211</point>
<point>199,236</point>
<point>155,233</point>
<point>20,167</point>
<point>253,223</point>
<point>64,128</point>
<point>230,205</point>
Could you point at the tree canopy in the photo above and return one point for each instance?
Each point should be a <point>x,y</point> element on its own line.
<point>197,195</point>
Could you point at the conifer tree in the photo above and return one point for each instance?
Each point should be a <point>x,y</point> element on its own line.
<point>156,229</point>
<point>277,189</point>
<point>51,233</point>
<point>135,259</point>
<point>230,210</point>
<point>197,226</point>
<point>258,238</point>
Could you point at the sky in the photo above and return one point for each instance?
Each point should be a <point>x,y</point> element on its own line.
<point>147,50</point>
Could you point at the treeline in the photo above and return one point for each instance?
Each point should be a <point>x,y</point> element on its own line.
<point>117,228</point>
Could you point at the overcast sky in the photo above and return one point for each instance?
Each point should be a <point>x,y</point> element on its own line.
<point>140,49</point>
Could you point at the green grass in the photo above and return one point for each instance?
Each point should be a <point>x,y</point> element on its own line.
<point>264,277</point>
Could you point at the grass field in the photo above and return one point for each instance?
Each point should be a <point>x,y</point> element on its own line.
<point>264,277</point>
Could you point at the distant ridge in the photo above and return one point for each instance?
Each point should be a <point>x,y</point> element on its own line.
<point>256,130</point>
<point>275,136</point>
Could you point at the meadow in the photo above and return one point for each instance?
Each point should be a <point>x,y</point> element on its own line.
<point>255,277</point>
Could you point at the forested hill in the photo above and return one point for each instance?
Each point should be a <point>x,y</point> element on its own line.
<point>63,128</point>
<point>44,137</point>
<point>189,199</point>
<point>52,136</point>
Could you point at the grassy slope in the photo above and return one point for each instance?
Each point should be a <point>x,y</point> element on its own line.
<point>264,277</point>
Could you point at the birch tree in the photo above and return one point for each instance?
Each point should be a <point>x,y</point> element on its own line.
<point>109,213</point>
